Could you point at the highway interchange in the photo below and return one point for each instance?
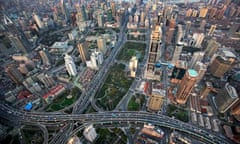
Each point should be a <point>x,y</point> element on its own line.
<point>42,119</point>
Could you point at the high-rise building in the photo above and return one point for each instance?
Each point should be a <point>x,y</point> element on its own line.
<point>201,69</point>
<point>156,97</point>
<point>203,12</point>
<point>206,89</point>
<point>198,37</point>
<point>202,24</point>
<point>90,133</point>
<point>194,13</point>
<point>211,48</point>
<point>169,35</point>
<point>100,20</point>
<point>14,74</point>
<point>186,86</point>
<point>46,79</point>
<point>101,43</point>
<point>83,50</point>
<point>234,28</point>
<point>113,8</point>
<point>187,28</point>
<point>17,43</point>
<point>226,98</point>
<point>38,21</point>
<point>222,63</point>
<point>197,56</point>
<point>45,57</point>
<point>70,65</point>
<point>154,54</point>
<point>179,38</point>
<point>133,66</point>
<point>189,12</point>
<point>212,29</point>
<point>80,18</point>
<point>176,54</point>
<point>235,109</point>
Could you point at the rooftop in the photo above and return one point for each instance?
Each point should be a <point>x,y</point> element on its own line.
<point>192,73</point>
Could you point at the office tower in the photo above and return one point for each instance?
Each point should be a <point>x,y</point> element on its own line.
<point>38,21</point>
<point>90,133</point>
<point>194,13</point>
<point>136,18</point>
<point>235,109</point>
<point>212,29</point>
<point>23,69</point>
<point>142,17</point>
<point>206,89</point>
<point>156,97</point>
<point>212,47</point>
<point>203,12</point>
<point>81,18</point>
<point>232,11</point>
<point>220,12</point>
<point>172,23</point>
<point>186,86</point>
<point>65,10</point>
<point>187,28</point>
<point>176,54</point>
<point>201,69</point>
<point>198,37</point>
<point>197,56</point>
<point>46,79</point>
<point>202,25</point>
<point>179,38</point>
<point>17,43</point>
<point>234,28</point>
<point>222,63</point>
<point>113,8</point>
<point>45,57</point>
<point>226,98</point>
<point>169,35</point>
<point>100,20</point>
<point>133,63</point>
<point>70,65</point>
<point>189,12</point>
<point>83,50</point>
<point>154,54</point>
<point>101,43</point>
<point>212,12</point>
<point>14,74</point>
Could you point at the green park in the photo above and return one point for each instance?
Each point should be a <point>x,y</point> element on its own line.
<point>114,88</point>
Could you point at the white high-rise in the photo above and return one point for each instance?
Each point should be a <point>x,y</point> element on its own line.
<point>198,37</point>
<point>90,133</point>
<point>197,56</point>
<point>96,59</point>
<point>133,66</point>
<point>70,65</point>
<point>37,20</point>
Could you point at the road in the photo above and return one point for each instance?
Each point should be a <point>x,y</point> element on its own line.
<point>110,117</point>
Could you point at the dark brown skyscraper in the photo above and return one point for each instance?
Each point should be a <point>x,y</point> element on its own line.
<point>14,74</point>
<point>186,86</point>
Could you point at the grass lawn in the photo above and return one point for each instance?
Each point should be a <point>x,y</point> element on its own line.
<point>62,101</point>
<point>136,102</point>
<point>180,114</point>
<point>114,88</point>
<point>132,49</point>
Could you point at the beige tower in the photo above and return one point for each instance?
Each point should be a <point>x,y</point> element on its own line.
<point>186,86</point>
<point>82,48</point>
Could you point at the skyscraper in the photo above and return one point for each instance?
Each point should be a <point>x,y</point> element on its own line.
<point>201,69</point>
<point>198,37</point>
<point>211,48</point>
<point>38,21</point>
<point>226,98</point>
<point>180,35</point>
<point>212,29</point>
<point>70,65</point>
<point>101,43</point>
<point>90,133</point>
<point>222,63</point>
<point>133,66</point>
<point>176,54</point>
<point>83,50</point>
<point>14,74</point>
<point>197,56</point>
<point>154,54</point>
<point>100,20</point>
<point>17,43</point>
<point>202,24</point>
<point>156,97</point>
<point>45,57</point>
<point>206,89</point>
<point>187,28</point>
<point>186,86</point>
<point>203,12</point>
